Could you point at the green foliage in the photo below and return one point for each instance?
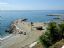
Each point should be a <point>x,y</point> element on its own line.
<point>62,29</point>
<point>45,39</point>
<point>54,33</point>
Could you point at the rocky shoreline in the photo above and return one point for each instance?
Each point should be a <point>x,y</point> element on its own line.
<point>28,32</point>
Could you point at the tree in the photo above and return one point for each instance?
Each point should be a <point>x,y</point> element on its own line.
<point>62,29</point>
<point>46,39</point>
<point>54,33</point>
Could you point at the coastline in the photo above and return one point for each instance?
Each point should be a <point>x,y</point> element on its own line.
<point>21,40</point>
<point>14,22</point>
<point>6,37</point>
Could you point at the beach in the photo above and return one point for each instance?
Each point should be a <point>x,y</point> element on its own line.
<point>21,40</point>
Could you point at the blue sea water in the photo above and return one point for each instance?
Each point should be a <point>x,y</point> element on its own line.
<point>7,17</point>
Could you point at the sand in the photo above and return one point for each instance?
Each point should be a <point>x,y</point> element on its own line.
<point>21,40</point>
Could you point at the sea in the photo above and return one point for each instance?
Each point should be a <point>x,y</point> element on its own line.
<point>8,16</point>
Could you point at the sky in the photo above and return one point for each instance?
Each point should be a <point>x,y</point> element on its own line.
<point>31,4</point>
